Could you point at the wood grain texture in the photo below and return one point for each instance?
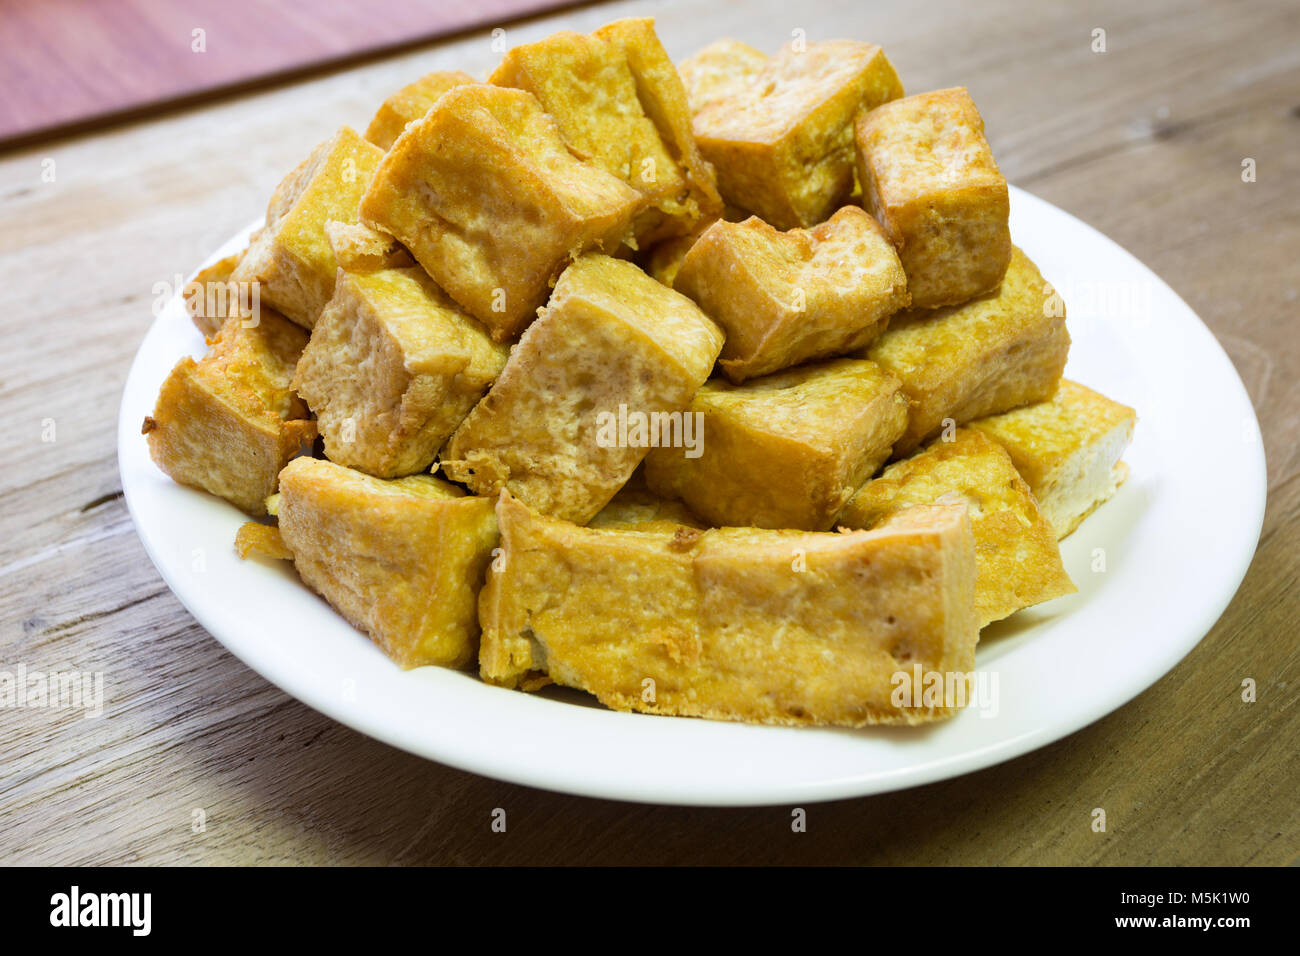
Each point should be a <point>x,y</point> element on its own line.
<point>71,63</point>
<point>1145,142</point>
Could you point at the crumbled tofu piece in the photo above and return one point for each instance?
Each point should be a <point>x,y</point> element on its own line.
<point>261,540</point>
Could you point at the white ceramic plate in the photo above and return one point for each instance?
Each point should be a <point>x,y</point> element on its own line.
<point>1169,572</point>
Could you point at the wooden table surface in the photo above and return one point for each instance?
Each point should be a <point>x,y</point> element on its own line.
<point>1144,141</point>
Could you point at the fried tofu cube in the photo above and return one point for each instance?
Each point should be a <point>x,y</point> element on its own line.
<point>484,193</point>
<point>291,259</point>
<point>664,100</point>
<point>619,101</point>
<point>791,297</point>
<point>928,176</point>
<point>392,368</point>
<point>1067,449</point>
<point>1018,561</point>
<point>228,422</point>
<point>785,450</point>
<point>782,144</point>
<point>992,354</point>
<point>613,346</point>
<point>210,297</point>
<point>403,559</point>
<point>723,69</point>
<point>410,103</point>
<point>773,627</point>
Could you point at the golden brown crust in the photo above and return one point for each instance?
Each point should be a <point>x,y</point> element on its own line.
<point>781,138</point>
<point>789,297</point>
<point>619,102</point>
<point>989,355</point>
<point>291,259</point>
<point>392,368</point>
<point>663,97</point>
<point>928,176</point>
<point>736,624</point>
<point>484,193</point>
<point>611,338</point>
<point>401,559</point>
<point>1067,449</point>
<point>410,103</point>
<point>228,422</point>
<point>785,450</point>
<point>1019,563</point>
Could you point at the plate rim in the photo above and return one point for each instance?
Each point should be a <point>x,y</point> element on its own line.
<point>1252,465</point>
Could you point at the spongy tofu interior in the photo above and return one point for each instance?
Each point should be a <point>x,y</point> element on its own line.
<point>1068,449</point>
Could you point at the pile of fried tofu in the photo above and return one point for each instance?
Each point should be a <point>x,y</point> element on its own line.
<point>713,389</point>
